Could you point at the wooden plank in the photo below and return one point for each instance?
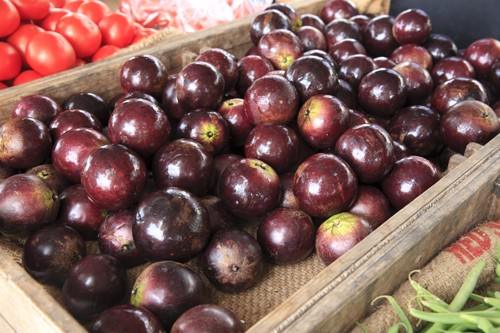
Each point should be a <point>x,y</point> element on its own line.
<point>26,306</point>
<point>342,292</point>
<point>103,77</point>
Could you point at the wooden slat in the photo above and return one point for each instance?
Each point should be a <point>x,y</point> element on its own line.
<point>341,293</point>
<point>103,77</point>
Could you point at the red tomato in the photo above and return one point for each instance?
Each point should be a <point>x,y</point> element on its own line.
<point>57,3</point>
<point>143,33</point>
<point>32,9</point>
<point>10,18</point>
<point>3,85</point>
<point>94,10</point>
<point>49,52</point>
<point>50,22</point>
<point>81,32</point>
<point>26,76</point>
<point>73,5</point>
<point>23,35</point>
<point>117,29</point>
<point>11,63</point>
<point>104,52</point>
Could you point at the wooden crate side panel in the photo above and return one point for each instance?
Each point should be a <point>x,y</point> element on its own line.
<point>381,261</point>
<point>26,306</point>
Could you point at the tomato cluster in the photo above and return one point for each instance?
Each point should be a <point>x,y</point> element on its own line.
<point>43,37</point>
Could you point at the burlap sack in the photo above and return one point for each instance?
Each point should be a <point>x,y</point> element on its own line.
<point>443,276</point>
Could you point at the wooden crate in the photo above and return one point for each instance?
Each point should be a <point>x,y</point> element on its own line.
<point>331,298</point>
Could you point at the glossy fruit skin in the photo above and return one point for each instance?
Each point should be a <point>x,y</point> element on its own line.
<point>417,127</point>
<point>11,18</point>
<point>72,149</point>
<point>219,218</point>
<point>32,10</point>
<point>251,68</point>
<point>468,121</point>
<point>340,29</point>
<point>73,119</point>
<point>249,188</point>
<point>361,20</point>
<point>126,319</point>
<point>38,107</point>
<point>355,67</point>
<point>78,212</point>
<point>482,54</point>
<point>377,36</point>
<point>383,62</point>
<point>324,185</point>
<point>419,82</point>
<point>11,62</point>
<point>94,10</point>
<point>337,9</point>
<point>400,150</point>
<point>133,95</point>
<point>357,118</point>
<point>311,38</point>
<point>267,21</point>
<point>207,318</point>
<point>412,53</point>
<point>369,151</point>
<point>440,47</point>
<point>169,99</point>
<point>199,85</point>
<point>25,77</point>
<point>206,127</point>
<point>312,75</point>
<point>321,121</point>
<point>232,261</point>
<point>382,92</point>
<point>321,54</point>
<point>185,164</point>
<point>281,47</point>
<point>371,205</point>
<point>117,189</point>
<point>312,21</point>
<point>224,62</point>
<point>342,50</point>
<point>22,36</point>
<point>144,73</point>
<point>494,77</point>
<point>271,100</point>
<point>450,68</point>
<point>221,162</point>
<point>51,252</point>
<point>276,145</point>
<point>410,177</point>
<point>26,204</point>
<point>139,125</point>
<point>346,94</point>
<point>89,102</point>
<point>49,52</point>
<point>234,112</point>
<point>288,198</point>
<point>168,289</point>
<point>171,224</point>
<point>338,234</point>
<point>117,29</point>
<point>94,284</point>
<point>290,12</point>
<point>116,239</point>
<point>83,34</point>
<point>26,142</point>
<point>286,236</point>
<point>50,177</point>
<point>455,91</point>
<point>412,26</point>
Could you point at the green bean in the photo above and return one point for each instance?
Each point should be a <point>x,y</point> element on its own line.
<point>455,317</point>
<point>361,327</point>
<point>462,327</point>
<point>405,322</point>
<point>497,270</point>
<point>421,291</point>
<point>493,302</point>
<point>497,294</point>
<point>497,252</point>
<point>467,287</point>
<point>435,306</point>
<point>497,280</point>
<point>394,328</point>
<point>482,323</point>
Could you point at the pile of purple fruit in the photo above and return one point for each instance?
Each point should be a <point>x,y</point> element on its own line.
<point>327,126</point>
